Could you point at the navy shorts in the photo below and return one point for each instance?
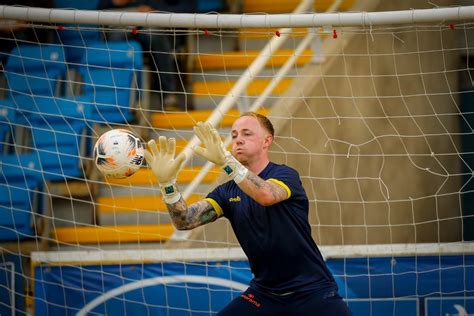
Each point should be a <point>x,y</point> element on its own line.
<point>254,302</point>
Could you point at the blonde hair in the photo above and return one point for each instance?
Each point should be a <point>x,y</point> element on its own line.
<point>263,120</point>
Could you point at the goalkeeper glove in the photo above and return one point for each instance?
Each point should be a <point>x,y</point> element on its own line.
<point>215,152</point>
<point>165,166</point>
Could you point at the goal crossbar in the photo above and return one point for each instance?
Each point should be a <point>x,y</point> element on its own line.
<point>216,21</point>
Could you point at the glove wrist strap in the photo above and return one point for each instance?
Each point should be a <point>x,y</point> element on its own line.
<point>170,192</point>
<point>234,169</point>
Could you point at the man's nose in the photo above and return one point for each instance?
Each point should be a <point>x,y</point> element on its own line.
<point>239,140</point>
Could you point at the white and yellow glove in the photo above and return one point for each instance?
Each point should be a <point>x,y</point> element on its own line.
<point>215,152</point>
<point>165,166</point>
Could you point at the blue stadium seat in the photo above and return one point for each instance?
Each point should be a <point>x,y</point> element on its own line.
<point>110,76</point>
<point>12,125</point>
<point>35,69</point>
<point>60,133</point>
<point>74,40</point>
<point>53,110</point>
<point>112,92</point>
<point>118,54</point>
<point>7,128</point>
<point>20,197</point>
<point>59,150</point>
<point>76,4</point>
<point>18,166</point>
<point>204,6</point>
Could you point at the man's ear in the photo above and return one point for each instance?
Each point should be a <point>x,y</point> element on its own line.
<point>268,140</point>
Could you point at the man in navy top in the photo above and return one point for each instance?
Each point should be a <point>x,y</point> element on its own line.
<point>268,209</point>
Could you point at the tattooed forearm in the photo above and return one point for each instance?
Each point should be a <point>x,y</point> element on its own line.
<point>278,192</point>
<point>264,192</point>
<point>256,180</point>
<point>177,213</point>
<point>201,213</point>
<point>197,214</point>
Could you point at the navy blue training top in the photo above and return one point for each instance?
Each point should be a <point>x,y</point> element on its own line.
<point>276,239</point>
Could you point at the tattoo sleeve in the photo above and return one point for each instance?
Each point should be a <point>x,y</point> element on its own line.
<point>197,214</point>
<point>256,186</point>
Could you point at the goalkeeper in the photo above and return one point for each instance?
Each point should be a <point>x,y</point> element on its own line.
<point>268,210</point>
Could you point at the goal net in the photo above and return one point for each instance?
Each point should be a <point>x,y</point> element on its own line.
<point>374,110</point>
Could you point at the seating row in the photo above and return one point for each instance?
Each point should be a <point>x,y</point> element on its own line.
<point>109,76</point>
<point>44,134</point>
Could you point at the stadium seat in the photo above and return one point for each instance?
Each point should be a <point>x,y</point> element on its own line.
<point>112,92</point>
<point>75,41</point>
<point>60,133</point>
<point>76,4</point>
<point>20,197</point>
<point>7,116</point>
<point>13,125</point>
<point>53,110</point>
<point>35,69</point>
<point>60,148</point>
<point>204,6</point>
<point>18,166</point>
<point>118,54</point>
<point>110,77</point>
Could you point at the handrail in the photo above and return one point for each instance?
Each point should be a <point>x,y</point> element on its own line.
<point>254,107</point>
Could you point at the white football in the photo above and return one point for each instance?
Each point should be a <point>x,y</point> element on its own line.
<point>118,153</point>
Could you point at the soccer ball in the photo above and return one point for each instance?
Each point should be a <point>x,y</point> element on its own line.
<point>118,153</point>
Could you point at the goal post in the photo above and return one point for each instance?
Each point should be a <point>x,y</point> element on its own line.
<point>379,127</point>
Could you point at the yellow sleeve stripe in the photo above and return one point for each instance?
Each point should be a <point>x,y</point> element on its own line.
<point>283,185</point>
<point>216,206</point>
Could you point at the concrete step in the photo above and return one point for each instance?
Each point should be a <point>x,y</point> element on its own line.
<point>242,59</point>
<point>288,6</point>
<point>144,190</point>
<point>209,89</point>
<point>112,234</point>
<point>210,102</point>
<point>234,74</point>
<point>221,88</point>
<point>119,204</point>
<point>133,218</point>
<point>137,200</point>
<point>180,120</point>
<point>247,34</point>
<point>145,177</point>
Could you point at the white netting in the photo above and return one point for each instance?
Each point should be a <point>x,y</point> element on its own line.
<point>376,119</point>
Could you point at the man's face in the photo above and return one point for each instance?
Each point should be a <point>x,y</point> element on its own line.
<point>249,139</point>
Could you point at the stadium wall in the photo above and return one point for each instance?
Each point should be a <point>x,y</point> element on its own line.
<point>383,188</point>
